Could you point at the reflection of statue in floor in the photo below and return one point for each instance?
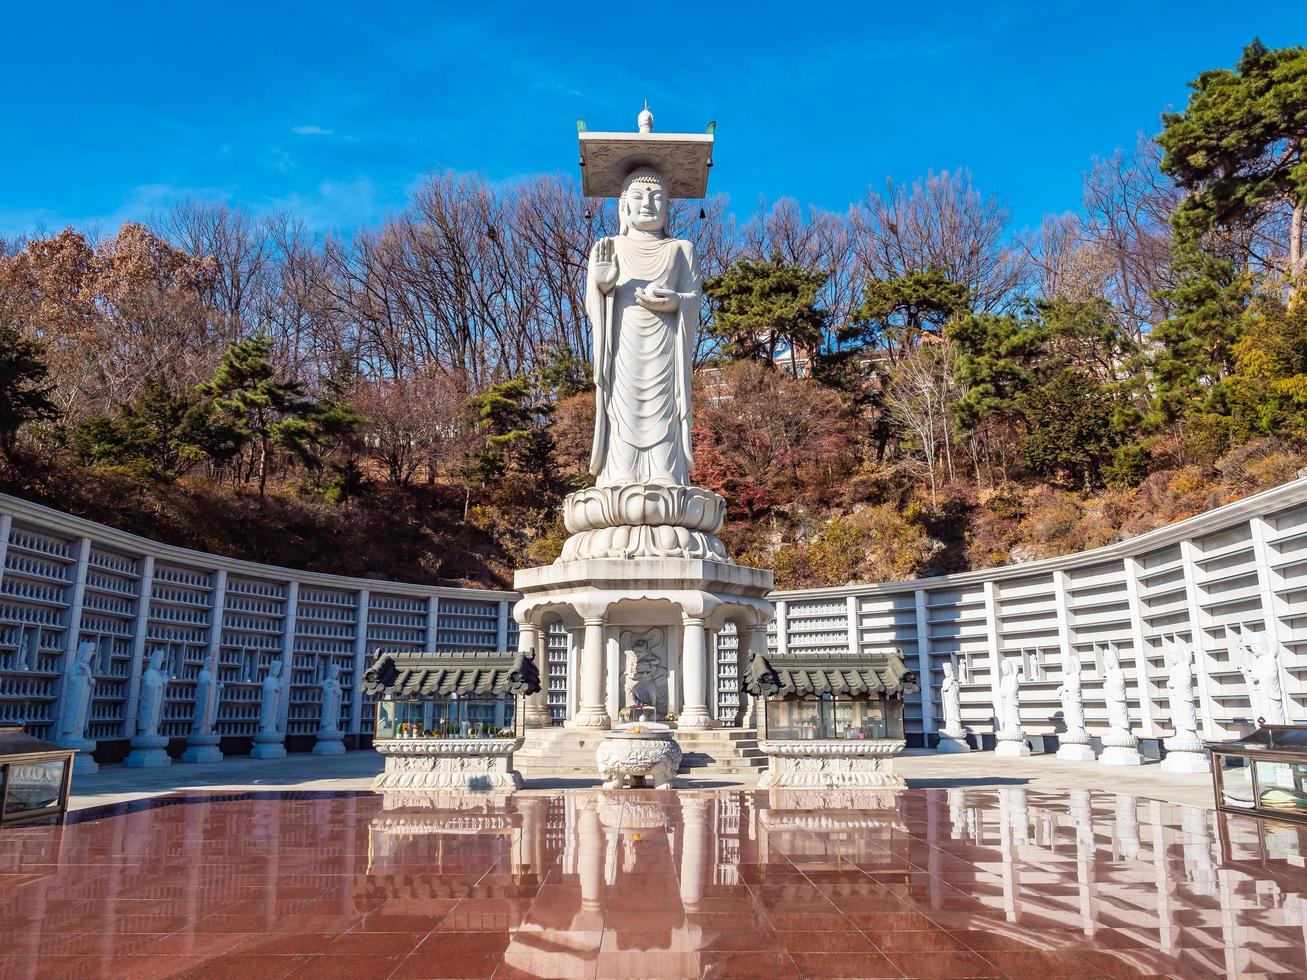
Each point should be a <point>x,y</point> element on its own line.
<point>646,668</point>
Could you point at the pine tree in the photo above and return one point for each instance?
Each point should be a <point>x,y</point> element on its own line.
<point>245,403</point>
<point>24,386</point>
<point>760,307</point>
<point>1240,149</point>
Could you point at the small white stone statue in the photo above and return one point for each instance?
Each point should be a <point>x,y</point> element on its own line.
<point>330,738</point>
<point>642,297</point>
<point>78,686</point>
<point>1118,708</point>
<point>270,705</point>
<point>1184,749</point>
<point>1120,746</point>
<point>149,747</point>
<point>1180,686</point>
<point>1009,692</point>
<point>1011,736</point>
<point>953,737</point>
<point>1071,695</point>
<point>950,693</point>
<point>329,721</point>
<point>203,741</point>
<point>1260,665</point>
<point>1074,742</point>
<point>154,682</point>
<point>204,713</point>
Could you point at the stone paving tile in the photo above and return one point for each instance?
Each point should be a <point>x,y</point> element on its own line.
<point>976,882</point>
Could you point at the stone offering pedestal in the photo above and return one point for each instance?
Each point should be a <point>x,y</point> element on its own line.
<point>1012,743</point>
<point>1120,749</point>
<point>831,764</point>
<point>202,748</point>
<point>329,743</point>
<point>952,740</point>
<point>467,764</point>
<point>632,753</point>
<point>148,752</point>
<point>1073,746</point>
<point>269,745</point>
<point>1185,753</point>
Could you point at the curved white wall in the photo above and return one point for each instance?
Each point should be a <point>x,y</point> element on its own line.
<point>1242,566</point>
<point>64,580</point>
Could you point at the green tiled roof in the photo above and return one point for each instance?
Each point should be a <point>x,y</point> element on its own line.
<point>798,676</point>
<point>464,674</point>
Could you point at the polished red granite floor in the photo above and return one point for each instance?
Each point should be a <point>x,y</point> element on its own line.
<point>924,883</point>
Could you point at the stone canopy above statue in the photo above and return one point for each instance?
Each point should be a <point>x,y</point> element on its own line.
<point>683,159</point>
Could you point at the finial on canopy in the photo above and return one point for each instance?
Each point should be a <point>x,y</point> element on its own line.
<point>645,119</point>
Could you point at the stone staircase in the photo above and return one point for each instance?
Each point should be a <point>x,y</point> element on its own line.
<point>705,754</point>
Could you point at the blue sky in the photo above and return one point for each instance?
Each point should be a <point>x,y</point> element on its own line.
<point>332,110</point>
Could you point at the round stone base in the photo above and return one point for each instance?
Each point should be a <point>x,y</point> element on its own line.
<point>1120,749</point>
<point>1012,744</point>
<point>1182,761</point>
<point>202,748</point>
<point>1075,752</point>
<point>1120,755</point>
<point>694,719</point>
<point>538,717</point>
<point>662,541</point>
<point>644,505</point>
<point>148,752</point>
<point>329,743</point>
<point>83,764</point>
<point>269,745</point>
<point>952,744</point>
<point>591,718</point>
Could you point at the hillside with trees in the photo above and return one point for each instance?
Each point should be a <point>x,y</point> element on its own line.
<point>909,387</point>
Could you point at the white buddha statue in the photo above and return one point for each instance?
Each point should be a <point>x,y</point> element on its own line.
<point>642,297</point>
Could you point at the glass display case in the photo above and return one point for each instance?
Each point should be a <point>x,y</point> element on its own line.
<point>35,778</point>
<point>1263,774</point>
<point>829,716</point>
<point>439,716</point>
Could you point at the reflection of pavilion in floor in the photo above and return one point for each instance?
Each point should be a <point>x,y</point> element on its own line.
<point>992,882</point>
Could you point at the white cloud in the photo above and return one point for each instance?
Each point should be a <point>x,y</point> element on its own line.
<point>311,131</point>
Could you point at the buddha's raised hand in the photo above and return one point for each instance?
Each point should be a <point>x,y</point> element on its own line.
<point>603,259</point>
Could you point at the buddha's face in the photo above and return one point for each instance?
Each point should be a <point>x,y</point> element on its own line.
<point>645,202</point>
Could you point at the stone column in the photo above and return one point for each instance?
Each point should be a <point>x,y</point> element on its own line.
<point>592,713</point>
<point>613,670</point>
<point>537,705</point>
<point>573,693</point>
<point>694,665</point>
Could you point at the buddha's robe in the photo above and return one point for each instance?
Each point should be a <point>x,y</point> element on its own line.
<point>642,363</point>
